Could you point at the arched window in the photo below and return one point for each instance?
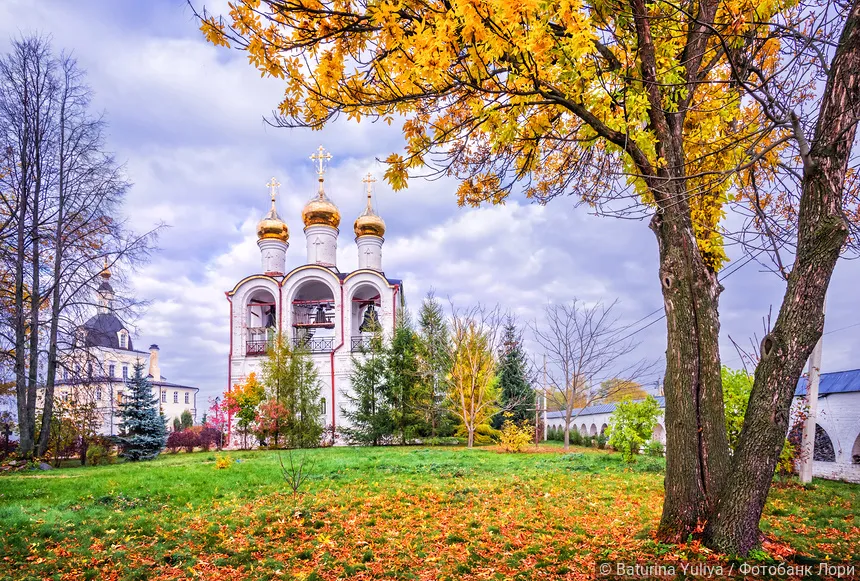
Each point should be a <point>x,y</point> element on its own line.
<point>322,406</point>
<point>312,317</point>
<point>261,322</point>
<point>823,446</point>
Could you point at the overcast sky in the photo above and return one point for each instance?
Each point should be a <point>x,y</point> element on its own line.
<point>186,119</point>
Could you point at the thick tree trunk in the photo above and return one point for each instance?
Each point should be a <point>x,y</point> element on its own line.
<point>696,443</point>
<point>821,233</point>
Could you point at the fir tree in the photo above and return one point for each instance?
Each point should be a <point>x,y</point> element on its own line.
<point>142,427</point>
<point>402,378</point>
<point>434,365</point>
<point>368,409</point>
<point>292,381</point>
<point>517,396</point>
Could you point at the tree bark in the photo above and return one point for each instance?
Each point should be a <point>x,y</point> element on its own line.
<point>822,231</point>
<point>696,443</point>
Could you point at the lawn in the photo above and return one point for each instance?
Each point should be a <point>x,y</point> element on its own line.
<point>398,513</point>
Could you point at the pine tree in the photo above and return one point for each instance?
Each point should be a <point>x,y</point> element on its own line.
<point>434,365</point>
<point>368,409</point>
<point>517,395</point>
<point>402,379</point>
<point>142,427</point>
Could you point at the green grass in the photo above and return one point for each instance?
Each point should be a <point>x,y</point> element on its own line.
<point>400,513</point>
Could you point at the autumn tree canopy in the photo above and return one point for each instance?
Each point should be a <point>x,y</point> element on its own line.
<point>666,109</point>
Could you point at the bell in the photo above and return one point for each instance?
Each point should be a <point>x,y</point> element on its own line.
<point>320,317</point>
<point>270,318</point>
<point>370,322</point>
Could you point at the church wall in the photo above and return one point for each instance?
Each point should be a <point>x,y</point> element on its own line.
<point>346,326</point>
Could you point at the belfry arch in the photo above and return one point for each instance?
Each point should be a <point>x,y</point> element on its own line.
<point>364,315</point>
<point>261,321</point>
<point>313,316</point>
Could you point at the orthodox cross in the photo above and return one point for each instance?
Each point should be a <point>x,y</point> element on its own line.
<point>368,181</point>
<point>321,157</point>
<point>273,186</point>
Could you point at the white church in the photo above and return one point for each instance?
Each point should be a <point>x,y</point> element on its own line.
<point>99,367</point>
<point>317,306</point>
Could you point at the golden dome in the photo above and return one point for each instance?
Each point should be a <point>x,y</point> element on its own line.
<point>271,227</point>
<point>368,222</point>
<point>105,273</point>
<point>320,211</point>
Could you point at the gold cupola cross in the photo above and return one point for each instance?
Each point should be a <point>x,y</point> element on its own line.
<point>320,158</point>
<point>273,186</point>
<point>369,180</point>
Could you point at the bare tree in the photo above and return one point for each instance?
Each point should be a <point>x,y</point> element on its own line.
<point>585,346</point>
<point>61,194</point>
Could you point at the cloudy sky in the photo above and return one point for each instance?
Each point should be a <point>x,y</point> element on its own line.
<point>186,119</point>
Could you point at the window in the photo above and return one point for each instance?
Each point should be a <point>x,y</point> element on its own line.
<point>111,370</point>
<point>98,392</point>
<point>125,371</point>
<point>123,339</point>
<point>119,397</point>
<point>322,406</point>
<point>163,397</point>
<point>186,397</point>
<point>89,369</point>
<point>175,397</point>
<point>65,374</point>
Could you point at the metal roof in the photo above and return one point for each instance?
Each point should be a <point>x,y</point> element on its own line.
<point>102,331</point>
<point>834,382</point>
<point>601,408</point>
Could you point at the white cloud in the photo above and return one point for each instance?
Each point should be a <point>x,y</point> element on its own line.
<point>188,119</point>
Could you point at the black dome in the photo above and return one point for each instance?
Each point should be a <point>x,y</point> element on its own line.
<point>102,331</point>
